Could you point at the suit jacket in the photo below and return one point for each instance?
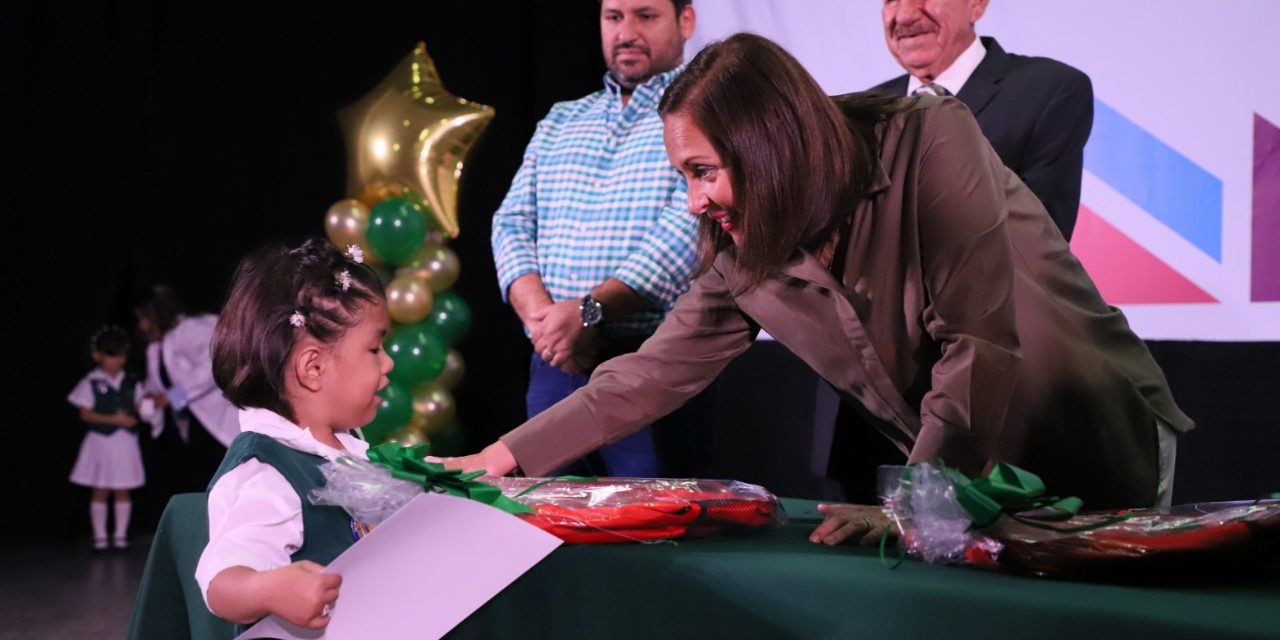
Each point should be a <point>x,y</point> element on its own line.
<point>954,276</point>
<point>185,349</point>
<point>1037,113</point>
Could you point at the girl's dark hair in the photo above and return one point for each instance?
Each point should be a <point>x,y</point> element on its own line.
<point>111,340</point>
<point>797,164</point>
<point>162,307</point>
<point>255,334</point>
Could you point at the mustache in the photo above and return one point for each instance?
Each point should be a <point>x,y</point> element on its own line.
<point>619,48</point>
<point>907,32</point>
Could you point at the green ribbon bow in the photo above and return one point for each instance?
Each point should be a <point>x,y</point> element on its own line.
<point>407,463</point>
<point>1006,491</point>
<point>1019,494</point>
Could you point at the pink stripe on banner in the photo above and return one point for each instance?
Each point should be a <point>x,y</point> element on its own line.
<point>1124,271</point>
<point>1266,211</point>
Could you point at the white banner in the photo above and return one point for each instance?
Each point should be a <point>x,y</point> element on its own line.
<point>1180,208</point>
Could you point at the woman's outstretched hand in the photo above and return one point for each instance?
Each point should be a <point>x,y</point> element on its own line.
<point>849,523</point>
<point>494,460</point>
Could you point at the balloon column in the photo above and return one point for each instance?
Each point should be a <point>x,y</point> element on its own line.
<point>406,143</point>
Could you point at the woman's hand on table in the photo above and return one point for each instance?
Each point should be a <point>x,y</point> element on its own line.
<point>493,460</point>
<point>852,523</point>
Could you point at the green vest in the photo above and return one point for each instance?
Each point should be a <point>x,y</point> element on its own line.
<point>326,531</point>
<point>108,401</point>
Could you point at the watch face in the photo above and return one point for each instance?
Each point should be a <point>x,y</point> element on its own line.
<point>592,312</point>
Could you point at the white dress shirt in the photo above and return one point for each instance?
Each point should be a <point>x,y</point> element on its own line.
<point>958,73</point>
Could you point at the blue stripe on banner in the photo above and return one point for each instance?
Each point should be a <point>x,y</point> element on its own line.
<point>1165,183</point>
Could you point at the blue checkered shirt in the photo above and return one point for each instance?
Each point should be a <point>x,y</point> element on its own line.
<point>596,198</point>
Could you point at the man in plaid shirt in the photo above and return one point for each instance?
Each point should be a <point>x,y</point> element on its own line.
<point>594,240</point>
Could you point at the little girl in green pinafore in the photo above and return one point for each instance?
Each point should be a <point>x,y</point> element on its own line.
<point>298,348</point>
<point>109,461</point>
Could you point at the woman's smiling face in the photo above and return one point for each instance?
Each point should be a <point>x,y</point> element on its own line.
<point>708,179</point>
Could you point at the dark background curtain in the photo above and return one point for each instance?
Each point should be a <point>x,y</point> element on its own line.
<point>160,141</point>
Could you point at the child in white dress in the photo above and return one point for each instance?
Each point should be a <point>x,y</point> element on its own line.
<point>109,460</point>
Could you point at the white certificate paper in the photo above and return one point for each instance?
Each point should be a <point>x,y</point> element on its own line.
<point>422,571</point>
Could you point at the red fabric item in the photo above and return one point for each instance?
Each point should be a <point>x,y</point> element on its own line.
<point>1206,537</point>
<point>642,510</point>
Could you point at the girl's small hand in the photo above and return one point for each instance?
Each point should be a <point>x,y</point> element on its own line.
<point>125,420</point>
<point>301,594</point>
<point>846,522</point>
<point>494,460</point>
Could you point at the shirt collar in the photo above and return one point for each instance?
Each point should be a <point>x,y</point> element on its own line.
<point>954,77</point>
<point>651,88</point>
<point>274,425</point>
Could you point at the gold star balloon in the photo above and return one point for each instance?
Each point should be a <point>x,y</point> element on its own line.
<point>409,137</point>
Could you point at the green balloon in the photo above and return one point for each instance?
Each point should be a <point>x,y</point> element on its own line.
<point>418,353</point>
<point>393,413</point>
<point>449,441</point>
<point>397,229</point>
<point>450,317</point>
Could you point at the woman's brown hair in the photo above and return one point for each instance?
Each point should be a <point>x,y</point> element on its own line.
<point>796,165</point>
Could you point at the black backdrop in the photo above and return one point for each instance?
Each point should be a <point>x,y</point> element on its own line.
<point>159,141</point>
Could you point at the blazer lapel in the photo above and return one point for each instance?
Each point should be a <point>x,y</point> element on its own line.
<point>799,315</point>
<point>984,84</point>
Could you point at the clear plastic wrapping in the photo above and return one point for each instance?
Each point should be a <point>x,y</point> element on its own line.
<point>1207,537</point>
<point>643,509</point>
<point>601,510</point>
<point>366,490</point>
<point>931,522</point>
<point>1108,545</point>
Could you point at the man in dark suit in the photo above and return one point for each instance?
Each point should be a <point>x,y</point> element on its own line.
<point>1036,112</point>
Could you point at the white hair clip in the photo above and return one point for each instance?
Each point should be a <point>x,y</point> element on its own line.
<point>297,319</point>
<point>344,279</point>
<point>355,253</point>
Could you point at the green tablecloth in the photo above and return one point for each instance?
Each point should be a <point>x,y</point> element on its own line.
<point>169,605</point>
<point>774,585</point>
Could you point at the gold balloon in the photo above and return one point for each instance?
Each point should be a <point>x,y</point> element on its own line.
<point>434,237</point>
<point>408,299</point>
<point>433,408</point>
<point>436,264</point>
<point>409,132</point>
<point>347,223</point>
<point>454,370</point>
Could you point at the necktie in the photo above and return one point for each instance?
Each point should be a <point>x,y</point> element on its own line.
<point>164,372</point>
<point>931,88</point>
<point>177,418</point>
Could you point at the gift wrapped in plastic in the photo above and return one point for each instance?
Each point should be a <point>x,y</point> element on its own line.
<point>608,510</point>
<point>579,510</point>
<point>367,491</point>
<point>1005,523</point>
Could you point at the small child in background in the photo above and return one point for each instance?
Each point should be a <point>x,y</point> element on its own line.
<point>298,347</point>
<point>110,460</point>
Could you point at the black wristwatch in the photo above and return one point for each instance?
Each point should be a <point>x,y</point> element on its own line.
<point>592,312</point>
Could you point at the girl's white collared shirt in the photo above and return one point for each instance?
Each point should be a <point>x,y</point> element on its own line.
<point>255,516</point>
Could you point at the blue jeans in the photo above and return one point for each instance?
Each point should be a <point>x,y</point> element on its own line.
<point>678,445</point>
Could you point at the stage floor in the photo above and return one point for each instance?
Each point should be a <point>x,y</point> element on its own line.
<point>56,592</point>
